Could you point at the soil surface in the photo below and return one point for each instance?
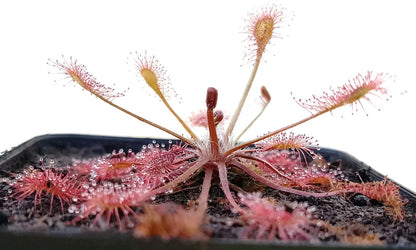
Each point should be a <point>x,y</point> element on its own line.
<point>357,216</point>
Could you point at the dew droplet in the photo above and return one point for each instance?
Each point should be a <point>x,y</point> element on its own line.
<point>229,222</point>
<point>93,174</point>
<point>71,209</point>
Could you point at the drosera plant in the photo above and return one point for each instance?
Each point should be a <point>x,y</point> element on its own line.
<point>46,179</point>
<point>266,219</point>
<point>123,187</point>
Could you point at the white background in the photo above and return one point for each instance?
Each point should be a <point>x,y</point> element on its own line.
<point>201,44</point>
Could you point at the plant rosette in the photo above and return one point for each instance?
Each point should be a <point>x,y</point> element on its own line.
<point>335,221</point>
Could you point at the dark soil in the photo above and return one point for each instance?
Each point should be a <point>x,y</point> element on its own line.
<point>355,214</point>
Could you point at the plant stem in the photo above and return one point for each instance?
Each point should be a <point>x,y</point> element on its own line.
<point>230,151</point>
<point>266,163</point>
<point>211,102</point>
<point>243,98</point>
<point>251,123</point>
<point>203,197</point>
<point>145,120</point>
<point>183,177</point>
<point>212,132</point>
<point>179,119</point>
<point>222,171</point>
<point>271,184</point>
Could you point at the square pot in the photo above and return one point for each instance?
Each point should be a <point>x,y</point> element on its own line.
<point>67,146</point>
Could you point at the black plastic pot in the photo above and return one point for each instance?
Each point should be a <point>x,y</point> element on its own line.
<point>69,145</point>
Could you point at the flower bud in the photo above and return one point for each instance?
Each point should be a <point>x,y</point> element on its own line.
<point>212,96</point>
<point>265,95</point>
<point>218,116</point>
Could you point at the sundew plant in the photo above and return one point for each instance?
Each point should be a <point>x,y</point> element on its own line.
<point>122,189</point>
